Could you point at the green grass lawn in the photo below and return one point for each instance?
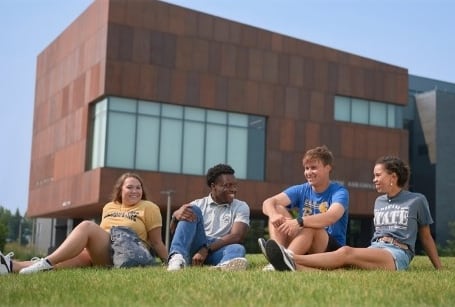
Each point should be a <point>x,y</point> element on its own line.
<point>154,286</point>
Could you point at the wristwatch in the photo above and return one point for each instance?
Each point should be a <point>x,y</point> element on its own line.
<point>300,221</point>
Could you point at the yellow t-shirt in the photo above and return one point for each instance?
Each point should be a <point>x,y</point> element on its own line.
<point>142,217</point>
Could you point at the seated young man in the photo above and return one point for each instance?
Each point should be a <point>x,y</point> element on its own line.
<point>322,210</point>
<point>211,230</point>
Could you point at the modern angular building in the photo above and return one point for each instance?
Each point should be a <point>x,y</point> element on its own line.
<point>429,118</point>
<point>168,92</point>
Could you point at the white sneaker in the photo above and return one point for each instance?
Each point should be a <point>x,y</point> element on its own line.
<point>38,266</point>
<point>235,264</point>
<point>176,263</point>
<point>268,268</point>
<point>6,264</point>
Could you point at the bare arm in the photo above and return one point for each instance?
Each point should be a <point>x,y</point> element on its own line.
<point>325,219</point>
<point>271,208</point>
<point>155,241</point>
<point>270,205</point>
<point>291,227</point>
<point>429,246</point>
<point>184,213</point>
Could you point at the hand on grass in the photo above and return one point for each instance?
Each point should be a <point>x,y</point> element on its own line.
<point>200,256</point>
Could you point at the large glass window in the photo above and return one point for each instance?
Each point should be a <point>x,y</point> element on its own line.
<point>120,140</point>
<point>153,136</point>
<point>367,112</point>
<point>359,111</point>
<point>343,109</point>
<point>98,132</point>
<point>378,114</point>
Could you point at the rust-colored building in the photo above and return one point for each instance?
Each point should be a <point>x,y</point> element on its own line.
<point>167,91</point>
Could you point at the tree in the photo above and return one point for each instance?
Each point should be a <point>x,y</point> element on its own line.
<point>11,226</point>
<point>3,234</point>
<point>26,230</point>
<point>5,216</point>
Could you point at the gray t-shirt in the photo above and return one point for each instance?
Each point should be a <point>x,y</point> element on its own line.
<point>400,217</point>
<point>219,218</point>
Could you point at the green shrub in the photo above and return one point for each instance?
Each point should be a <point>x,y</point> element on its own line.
<point>449,248</point>
<point>21,252</point>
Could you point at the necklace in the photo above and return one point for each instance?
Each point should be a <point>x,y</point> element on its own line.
<point>390,198</point>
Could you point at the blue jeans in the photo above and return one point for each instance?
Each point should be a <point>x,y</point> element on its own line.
<point>190,237</point>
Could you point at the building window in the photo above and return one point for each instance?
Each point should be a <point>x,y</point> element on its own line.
<point>342,108</point>
<point>368,112</point>
<point>153,136</point>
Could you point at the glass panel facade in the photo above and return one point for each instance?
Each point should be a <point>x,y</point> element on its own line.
<point>149,108</point>
<point>237,150</point>
<point>193,148</point>
<point>161,137</point>
<point>217,117</point>
<point>215,150</point>
<point>170,145</point>
<point>359,113</point>
<point>342,109</point>
<point>148,136</point>
<point>374,113</point>
<point>121,105</point>
<point>256,142</point>
<point>121,129</point>
<point>98,132</point>
<point>171,111</point>
<point>378,114</point>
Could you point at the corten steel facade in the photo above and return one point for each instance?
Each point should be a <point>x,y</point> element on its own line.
<point>154,51</point>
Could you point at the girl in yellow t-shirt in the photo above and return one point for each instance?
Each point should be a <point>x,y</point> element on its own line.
<point>90,244</point>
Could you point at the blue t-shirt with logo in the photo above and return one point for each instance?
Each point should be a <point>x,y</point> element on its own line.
<point>308,202</point>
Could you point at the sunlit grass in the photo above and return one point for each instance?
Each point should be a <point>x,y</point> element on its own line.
<point>420,286</point>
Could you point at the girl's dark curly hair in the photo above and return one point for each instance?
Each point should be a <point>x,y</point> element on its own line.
<point>117,191</point>
<point>219,169</point>
<point>395,165</point>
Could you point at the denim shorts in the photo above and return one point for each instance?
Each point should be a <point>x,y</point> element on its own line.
<point>128,250</point>
<point>401,258</point>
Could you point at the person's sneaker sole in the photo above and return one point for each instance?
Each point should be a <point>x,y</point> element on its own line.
<point>268,268</point>
<point>236,264</point>
<point>278,257</point>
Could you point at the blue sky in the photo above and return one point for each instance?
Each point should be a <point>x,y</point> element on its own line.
<point>413,34</point>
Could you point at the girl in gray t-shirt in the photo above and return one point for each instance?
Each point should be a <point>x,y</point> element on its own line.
<point>398,216</point>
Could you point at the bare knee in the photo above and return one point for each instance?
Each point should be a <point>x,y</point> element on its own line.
<point>86,225</point>
<point>344,251</point>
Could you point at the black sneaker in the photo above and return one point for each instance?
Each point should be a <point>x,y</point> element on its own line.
<point>262,242</point>
<point>269,267</point>
<point>279,257</point>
